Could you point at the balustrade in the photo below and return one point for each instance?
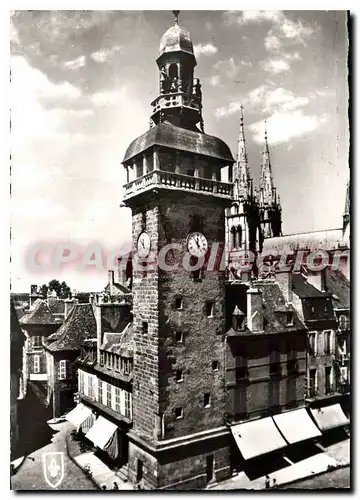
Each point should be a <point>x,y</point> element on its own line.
<point>180,181</point>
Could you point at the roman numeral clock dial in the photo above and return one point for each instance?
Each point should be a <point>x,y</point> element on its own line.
<point>143,245</point>
<point>197,244</point>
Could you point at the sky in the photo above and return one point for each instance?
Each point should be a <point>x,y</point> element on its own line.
<point>81,87</point>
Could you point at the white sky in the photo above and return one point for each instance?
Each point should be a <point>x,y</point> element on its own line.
<point>81,91</point>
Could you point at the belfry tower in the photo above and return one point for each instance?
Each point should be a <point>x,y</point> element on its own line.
<point>178,438</point>
<point>243,232</point>
<point>270,207</point>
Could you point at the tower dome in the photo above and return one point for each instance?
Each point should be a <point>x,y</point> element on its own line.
<point>176,39</point>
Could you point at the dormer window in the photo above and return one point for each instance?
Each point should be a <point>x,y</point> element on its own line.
<point>289,318</point>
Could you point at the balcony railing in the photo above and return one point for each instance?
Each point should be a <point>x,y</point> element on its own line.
<point>171,180</point>
<point>176,99</point>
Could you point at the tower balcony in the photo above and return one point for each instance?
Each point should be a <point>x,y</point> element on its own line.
<point>169,180</point>
<point>176,100</point>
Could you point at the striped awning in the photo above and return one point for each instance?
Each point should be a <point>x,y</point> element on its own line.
<point>78,415</point>
<point>101,432</point>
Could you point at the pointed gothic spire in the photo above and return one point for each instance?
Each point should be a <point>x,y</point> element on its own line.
<point>266,178</point>
<point>242,173</point>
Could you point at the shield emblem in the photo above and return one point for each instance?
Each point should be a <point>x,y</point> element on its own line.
<point>53,468</point>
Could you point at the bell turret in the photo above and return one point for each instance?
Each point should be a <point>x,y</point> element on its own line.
<point>180,99</point>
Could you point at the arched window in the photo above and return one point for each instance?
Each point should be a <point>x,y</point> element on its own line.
<point>233,237</point>
<point>173,71</point>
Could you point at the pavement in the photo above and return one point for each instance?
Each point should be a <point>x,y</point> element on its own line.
<point>101,474</point>
<point>30,476</point>
<point>335,455</point>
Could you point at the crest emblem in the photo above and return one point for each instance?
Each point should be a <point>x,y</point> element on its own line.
<point>53,468</point>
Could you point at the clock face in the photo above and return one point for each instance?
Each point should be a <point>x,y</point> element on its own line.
<point>197,244</point>
<point>143,245</point>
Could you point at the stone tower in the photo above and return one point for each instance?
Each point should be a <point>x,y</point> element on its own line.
<point>174,189</point>
<point>270,207</point>
<point>243,232</point>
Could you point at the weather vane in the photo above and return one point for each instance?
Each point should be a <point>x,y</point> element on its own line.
<point>176,14</point>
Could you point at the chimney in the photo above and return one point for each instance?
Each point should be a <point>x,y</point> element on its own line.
<point>111,281</point>
<point>33,295</point>
<point>255,316</point>
<point>51,297</point>
<point>68,303</point>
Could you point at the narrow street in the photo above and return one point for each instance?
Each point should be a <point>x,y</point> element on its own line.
<point>30,475</point>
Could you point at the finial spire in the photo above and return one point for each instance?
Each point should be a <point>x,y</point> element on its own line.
<point>176,15</point>
<point>242,174</point>
<point>266,178</point>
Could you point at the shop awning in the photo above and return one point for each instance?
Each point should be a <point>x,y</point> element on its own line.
<point>296,426</point>
<point>101,432</point>
<point>78,415</point>
<point>329,417</point>
<point>257,437</point>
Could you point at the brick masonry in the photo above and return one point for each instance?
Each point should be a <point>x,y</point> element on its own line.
<point>169,219</point>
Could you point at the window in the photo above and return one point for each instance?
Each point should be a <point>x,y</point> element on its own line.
<point>91,387</point>
<point>100,391</point>
<point>342,322</point>
<point>241,373</point>
<point>292,367</point>
<point>37,341</point>
<point>178,303</point>
<point>81,382</point>
<point>179,376</point>
<point>145,327</point>
<point>117,365</point>
<point>238,240</point>
<point>215,366</point>
<point>86,387</point>
<point>328,387</point>
<point>36,364</point>
<point>179,412</point>
<point>102,358</point>
<point>312,384</point>
<point>209,309</point>
<point>117,399</point>
<point>312,343</point>
<point>127,404</point>
<point>289,318</point>
<point>62,369</point>
<point>179,337</point>
<point>139,470</point>
<point>275,369</point>
<point>126,366</point>
<point>207,401</point>
<point>327,342</point>
<point>233,238</point>
<point>108,395</point>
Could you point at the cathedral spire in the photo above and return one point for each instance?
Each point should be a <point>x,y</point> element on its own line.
<point>241,171</point>
<point>266,177</point>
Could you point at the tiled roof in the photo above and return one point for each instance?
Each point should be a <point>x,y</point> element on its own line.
<point>338,285</point>
<point>78,326</point>
<point>40,314</point>
<point>304,289</point>
<point>121,289</point>
<point>274,308</point>
<point>168,135</point>
<point>120,343</point>
<point>57,306</point>
<point>326,240</point>
<point>16,334</point>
